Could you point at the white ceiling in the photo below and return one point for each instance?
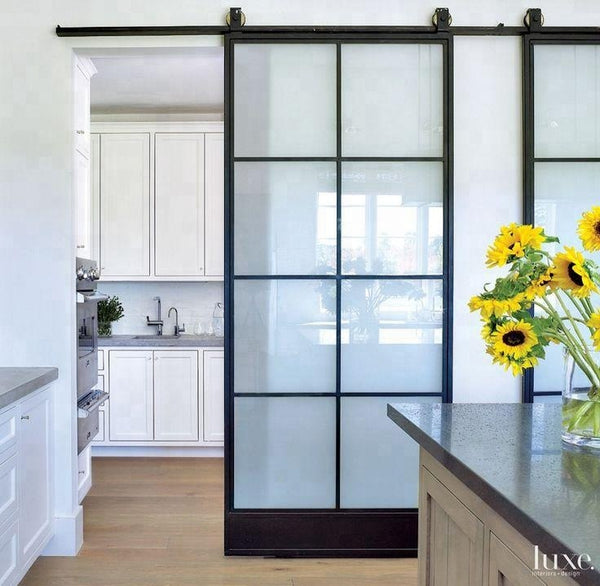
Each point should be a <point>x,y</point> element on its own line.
<point>174,81</point>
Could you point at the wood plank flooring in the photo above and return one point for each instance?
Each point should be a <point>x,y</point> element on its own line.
<point>159,521</point>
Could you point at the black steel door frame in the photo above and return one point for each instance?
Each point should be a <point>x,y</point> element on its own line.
<point>328,532</point>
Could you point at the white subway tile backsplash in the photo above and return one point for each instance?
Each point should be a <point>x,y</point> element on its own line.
<point>195,303</point>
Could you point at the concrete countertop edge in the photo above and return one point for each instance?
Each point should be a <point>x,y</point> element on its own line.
<point>515,516</point>
<point>43,377</point>
<point>130,341</point>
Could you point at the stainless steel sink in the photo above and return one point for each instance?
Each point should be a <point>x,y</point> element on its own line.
<point>155,337</point>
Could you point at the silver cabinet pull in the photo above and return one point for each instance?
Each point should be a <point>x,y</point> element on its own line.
<point>24,417</point>
<point>80,131</point>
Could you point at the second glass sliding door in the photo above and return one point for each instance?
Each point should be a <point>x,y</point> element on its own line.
<point>338,280</point>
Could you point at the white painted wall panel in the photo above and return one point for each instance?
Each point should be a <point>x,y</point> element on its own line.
<point>487,193</point>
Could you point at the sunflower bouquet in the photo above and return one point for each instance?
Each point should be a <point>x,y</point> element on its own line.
<point>559,287</point>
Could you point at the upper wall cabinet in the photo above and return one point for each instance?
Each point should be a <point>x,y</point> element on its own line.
<point>179,204</point>
<point>159,201</point>
<point>125,204</point>
<point>83,70</point>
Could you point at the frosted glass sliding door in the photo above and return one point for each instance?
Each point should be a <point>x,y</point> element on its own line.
<point>337,285</point>
<point>563,162</point>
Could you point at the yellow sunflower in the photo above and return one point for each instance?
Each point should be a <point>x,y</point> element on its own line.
<point>511,243</point>
<point>517,365</point>
<point>514,339</point>
<point>594,322</point>
<point>496,307</point>
<point>539,286</point>
<point>570,274</point>
<point>486,333</point>
<point>588,229</point>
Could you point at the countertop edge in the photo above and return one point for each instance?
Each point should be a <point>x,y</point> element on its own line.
<point>523,523</point>
<point>30,386</point>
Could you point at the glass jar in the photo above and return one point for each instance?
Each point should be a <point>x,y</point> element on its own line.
<point>580,406</point>
<point>218,326</point>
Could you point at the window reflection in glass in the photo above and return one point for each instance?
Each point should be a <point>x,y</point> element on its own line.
<point>392,218</point>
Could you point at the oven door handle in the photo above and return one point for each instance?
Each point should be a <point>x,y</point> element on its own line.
<point>84,410</point>
<point>95,297</point>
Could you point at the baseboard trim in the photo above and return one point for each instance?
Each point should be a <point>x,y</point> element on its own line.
<point>68,535</point>
<point>155,452</point>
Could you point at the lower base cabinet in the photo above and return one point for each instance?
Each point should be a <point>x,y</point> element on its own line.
<point>162,397</point>
<point>35,476</point>
<point>26,484</point>
<point>462,541</point>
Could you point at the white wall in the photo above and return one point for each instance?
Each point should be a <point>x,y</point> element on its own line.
<point>194,302</point>
<point>36,236</point>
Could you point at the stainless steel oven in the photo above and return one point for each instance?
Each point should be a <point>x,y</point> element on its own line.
<point>89,399</point>
<point>87,346</point>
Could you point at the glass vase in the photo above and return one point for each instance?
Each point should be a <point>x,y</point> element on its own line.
<point>105,329</point>
<point>580,407</point>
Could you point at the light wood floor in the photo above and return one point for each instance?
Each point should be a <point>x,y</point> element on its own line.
<point>160,521</point>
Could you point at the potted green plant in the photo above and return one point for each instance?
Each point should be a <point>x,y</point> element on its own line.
<point>109,310</point>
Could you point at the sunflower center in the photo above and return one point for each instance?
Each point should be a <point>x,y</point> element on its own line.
<point>597,228</point>
<point>576,278</point>
<point>513,338</point>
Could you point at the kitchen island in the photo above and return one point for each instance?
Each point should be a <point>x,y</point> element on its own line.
<point>502,500</point>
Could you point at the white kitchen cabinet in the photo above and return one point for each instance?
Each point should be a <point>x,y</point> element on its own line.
<point>214,416</point>
<point>35,470</point>
<point>179,204</point>
<point>125,204</point>
<point>176,395</point>
<point>214,204</point>
<point>83,233</point>
<point>181,393</point>
<point>182,207</point>
<point>84,472</point>
<point>131,402</point>
<point>83,70</point>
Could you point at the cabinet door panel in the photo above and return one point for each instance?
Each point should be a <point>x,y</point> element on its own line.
<point>125,204</point>
<point>176,395</point>
<point>179,201</point>
<point>214,383</point>
<point>453,548</point>
<point>214,205</point>
<point>131,408</point>
<point>82,72</point>
<point>9,557</point>
<point>35,475</point>
<point>506,569</point>
<point>83,202</point>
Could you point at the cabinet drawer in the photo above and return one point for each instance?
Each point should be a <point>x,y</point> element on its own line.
<point>8,554</point>
<point>8,490</point>
<point>100,359</point>
<point>8,433</point>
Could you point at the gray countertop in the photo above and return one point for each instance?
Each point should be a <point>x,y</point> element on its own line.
<point>183,341</point>
<point>16,383</point>
<point>511,456</point>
